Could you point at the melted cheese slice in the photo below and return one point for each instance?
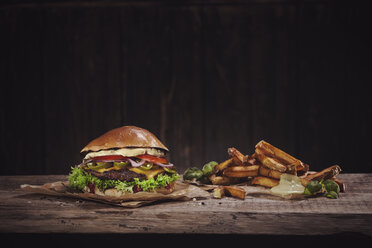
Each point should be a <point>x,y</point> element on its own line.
<point>110,168</point>
<point>149,173</point>
<point>126,152</point>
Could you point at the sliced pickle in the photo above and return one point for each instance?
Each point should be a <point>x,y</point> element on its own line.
<point>147,166</point>
<point>99,165</point>
<point>90,164</point>
<point>122,164</point>
<point>169,170</point>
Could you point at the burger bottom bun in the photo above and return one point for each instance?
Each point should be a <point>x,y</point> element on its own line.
<point>117,193</point>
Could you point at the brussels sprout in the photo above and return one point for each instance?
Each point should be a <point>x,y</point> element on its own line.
<point>332,195</point>
<point>204,180</point>
<point>312,187</point>
<point>208,168</point>
<point>192,173</point>
<point>330,185</point>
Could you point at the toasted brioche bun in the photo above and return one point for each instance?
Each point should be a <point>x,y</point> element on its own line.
<point>122,137</point>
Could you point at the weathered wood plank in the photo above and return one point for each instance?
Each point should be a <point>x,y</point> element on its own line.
<point>161,77</point>
<point>107,63</point>
<point>21,94</point>
<point>250,78</point>
<point>146,75</point>
<point>182,126</point>
<point>352,212</point>
<point>331,70</point>
<point>82,81</point>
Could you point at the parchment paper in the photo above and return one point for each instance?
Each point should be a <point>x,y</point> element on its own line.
<point>250,190</point>
<point>182,192</point>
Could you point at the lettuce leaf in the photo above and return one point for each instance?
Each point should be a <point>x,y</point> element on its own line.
<point>79,179</point>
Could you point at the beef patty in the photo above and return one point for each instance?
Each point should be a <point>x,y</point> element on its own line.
<point>122,175</point>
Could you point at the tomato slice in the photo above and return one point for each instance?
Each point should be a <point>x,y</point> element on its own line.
<point>109,157</point>
<point>152,159</point>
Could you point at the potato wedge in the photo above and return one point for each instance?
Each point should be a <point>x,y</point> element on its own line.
<point>235,191</point>
<point>269,162</point>
<point>243,168</point>
<point>275,152</point>
<point>265,181</point>
<point>237,156</point>
<point>340,184</point>
<point>264,171</point>
<point>241,171</point>
<point>304,181</point>
<point>223,165</point>
<point>222,180</point>
<point>302,169</point>
<point>240,174</point>
<point>218,192</point>
<point>325,174</point>
<point>252,161</point>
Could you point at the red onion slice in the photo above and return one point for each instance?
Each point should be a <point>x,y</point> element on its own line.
<point>135,164</point>
<point>84,163</point>
<point>110,161</point>
<point>164,165</point>
<point>132,162</point>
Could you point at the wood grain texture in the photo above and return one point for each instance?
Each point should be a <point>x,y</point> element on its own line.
<point>85,102</point>
<point>352,212</point>
<point>250,88</point>
<point>201,75</point>
<point>183,106</point>
<point>22,99</point>
<point>329,74</point>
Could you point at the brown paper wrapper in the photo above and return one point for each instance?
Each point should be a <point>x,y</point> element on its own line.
<point>182,192</point>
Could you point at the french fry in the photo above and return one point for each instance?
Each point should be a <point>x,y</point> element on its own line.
<point>302,170</point>
<point>269,162</point>
<point>223,165</point>
<point>241,174</point>
<point>237,156</point>
<point>241,171</point>
<point>274,152</point>
<point>264,171</point>
<point>325,174</point>
<point>222,180</point>
<point>340,184</point>
<point>235,191</point>
<point>252,161</point>
<point>265,181</point>
<point>218,192</point>
<point>243,168</point>
<point>304,181</point>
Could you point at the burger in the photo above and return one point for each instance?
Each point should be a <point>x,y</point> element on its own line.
<point>125,160</point>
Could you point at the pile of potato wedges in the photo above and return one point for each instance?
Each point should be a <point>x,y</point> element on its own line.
<point>265,166</point>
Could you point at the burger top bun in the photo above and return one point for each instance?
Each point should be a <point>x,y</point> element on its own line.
<point>123,137</point>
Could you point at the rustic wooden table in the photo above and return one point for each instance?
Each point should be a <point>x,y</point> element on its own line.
<point>22,212</point>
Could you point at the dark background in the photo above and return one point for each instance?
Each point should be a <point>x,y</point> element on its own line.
<point>201,75</point>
